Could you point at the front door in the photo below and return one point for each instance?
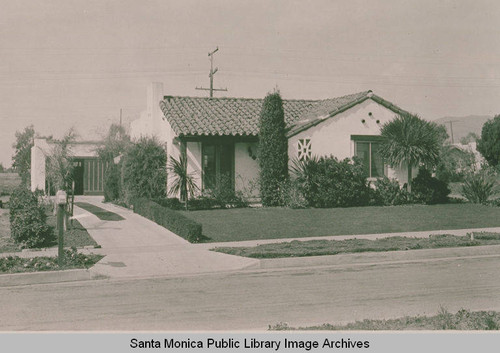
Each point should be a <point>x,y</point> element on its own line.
<point>218,165</point>
<point>78,176</point>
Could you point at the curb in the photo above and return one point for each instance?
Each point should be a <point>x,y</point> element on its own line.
<point>19,279</point>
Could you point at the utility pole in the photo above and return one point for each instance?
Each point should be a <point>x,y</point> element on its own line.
<point>120,117</point>
<point>211,75</point>
<point>451,128</point>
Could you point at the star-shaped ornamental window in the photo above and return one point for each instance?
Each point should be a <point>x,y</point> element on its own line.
<point>304,149</point>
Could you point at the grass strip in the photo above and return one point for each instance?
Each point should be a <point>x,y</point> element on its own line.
<point>462,320</point>
<point>73,260</point>
<point>333,247</point>
<point>277,223</point>
<point>101,213</point>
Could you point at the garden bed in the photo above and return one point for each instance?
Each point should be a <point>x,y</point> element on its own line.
<point>462,320</point>
<point>72,260</point>
<point>334,247</point>
<point>279,223</point>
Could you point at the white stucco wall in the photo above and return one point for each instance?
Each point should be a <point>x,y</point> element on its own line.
<point>42,149</point>
<point>246,169</point>
<point>37,168</point>
<point>151,122</point>
<point>333,135</point>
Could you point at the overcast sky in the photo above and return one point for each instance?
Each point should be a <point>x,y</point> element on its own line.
<point>74,63</point>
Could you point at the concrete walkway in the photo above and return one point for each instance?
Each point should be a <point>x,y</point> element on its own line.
<point>138,247</point>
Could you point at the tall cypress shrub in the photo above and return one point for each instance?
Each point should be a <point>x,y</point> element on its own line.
<point>273,150</point>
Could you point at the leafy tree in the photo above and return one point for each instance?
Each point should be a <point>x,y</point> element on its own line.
<point>182,182</point>
<point>411,141</point>
<point>489,143</point>
<point>2,168</point>
<point>470,137</point>
<point>144,170</point>
<point>59,170</point>
<point>273,149</point>
<point>22,155</point>
<point>115,143</point>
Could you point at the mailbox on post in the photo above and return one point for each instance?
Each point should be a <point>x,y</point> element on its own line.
<point>61,208</point>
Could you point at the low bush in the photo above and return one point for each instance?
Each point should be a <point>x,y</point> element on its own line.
<point>387,192</point>
<point>479,186</point>
<point>429,190</point>
<point>222,195</point>
<point>172,202</point>
<point>28,221</point>
<point>113,183</point>
<point>328,182</point>
<point>168,218</point>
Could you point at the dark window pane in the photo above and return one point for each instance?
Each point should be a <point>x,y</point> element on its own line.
<point>377,162</point>
<point>209,166</point>
<point>363,153</point>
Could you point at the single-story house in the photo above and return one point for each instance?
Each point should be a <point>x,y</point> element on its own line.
<point>219,136</point>
<point>88,172</point>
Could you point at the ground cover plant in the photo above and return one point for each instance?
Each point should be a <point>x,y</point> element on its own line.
<point>76,235</point>
<point>279,223</point>
<point>444,320</point>
<point>333,247</point>
<point>72,260</point>
<point>101,213</point>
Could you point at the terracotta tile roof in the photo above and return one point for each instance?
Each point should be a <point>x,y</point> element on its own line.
<point>190,116</point>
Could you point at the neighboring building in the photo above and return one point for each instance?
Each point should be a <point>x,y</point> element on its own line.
<point>88,172</point>
<point>219,136</point>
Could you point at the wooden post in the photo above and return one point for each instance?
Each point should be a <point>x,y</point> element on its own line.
<point>61,210</point>
<point>60,231</point>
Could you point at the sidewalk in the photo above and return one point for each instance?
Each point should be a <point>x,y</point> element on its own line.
<point>137,247</point>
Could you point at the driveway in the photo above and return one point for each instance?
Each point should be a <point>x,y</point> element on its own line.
<point>138,247</point>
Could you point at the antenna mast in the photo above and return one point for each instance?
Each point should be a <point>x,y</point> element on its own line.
<point>211,76</point>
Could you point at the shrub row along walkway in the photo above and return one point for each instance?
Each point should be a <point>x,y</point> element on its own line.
<point>138,247</point>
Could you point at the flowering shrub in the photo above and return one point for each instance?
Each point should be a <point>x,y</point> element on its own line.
<point>28,221</point>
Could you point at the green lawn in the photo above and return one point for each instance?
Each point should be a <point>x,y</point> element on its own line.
<point>334,247</point>
<point>278,223</point>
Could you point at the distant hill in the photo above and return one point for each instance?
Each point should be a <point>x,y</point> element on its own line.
<point>463,125</point>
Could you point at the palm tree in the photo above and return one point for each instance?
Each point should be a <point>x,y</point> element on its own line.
<point>410,141</point>
<point>183,182</point>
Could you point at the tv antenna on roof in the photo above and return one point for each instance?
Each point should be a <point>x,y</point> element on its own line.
<point>211,75</point>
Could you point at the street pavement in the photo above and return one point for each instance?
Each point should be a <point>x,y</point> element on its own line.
<point>254,299</point>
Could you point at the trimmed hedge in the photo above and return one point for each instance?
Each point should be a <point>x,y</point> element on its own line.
<point>168,218</point>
